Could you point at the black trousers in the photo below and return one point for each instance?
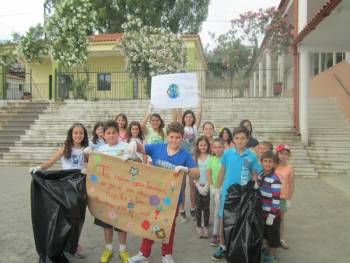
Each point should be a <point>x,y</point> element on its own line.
<point>202,205</point>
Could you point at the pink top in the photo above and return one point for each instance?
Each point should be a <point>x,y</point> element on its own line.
<point>123,136</point>
<point>286,175</point>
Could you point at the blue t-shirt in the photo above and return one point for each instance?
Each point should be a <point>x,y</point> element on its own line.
<point>238,168</point>
<point>160,157</point>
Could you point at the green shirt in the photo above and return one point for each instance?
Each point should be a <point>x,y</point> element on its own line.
<point>214,165</point>
<point>153,137</point>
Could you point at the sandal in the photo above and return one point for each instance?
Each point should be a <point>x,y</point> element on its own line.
<point>284,244</point>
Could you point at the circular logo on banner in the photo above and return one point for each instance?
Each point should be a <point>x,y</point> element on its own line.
<point>173,91</point>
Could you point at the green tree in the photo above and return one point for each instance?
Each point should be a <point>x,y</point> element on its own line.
<point>181,16</point>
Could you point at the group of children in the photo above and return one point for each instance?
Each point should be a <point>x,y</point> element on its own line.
<point>211,165</point>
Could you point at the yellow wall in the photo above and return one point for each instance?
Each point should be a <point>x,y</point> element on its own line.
<point>105,59</point>
<point>40,79</point>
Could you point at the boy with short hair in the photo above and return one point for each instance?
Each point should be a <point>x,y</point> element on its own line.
<point>170,155</point>
<point>118,149</point>
<point>238,166</point>
<point>270,189</point>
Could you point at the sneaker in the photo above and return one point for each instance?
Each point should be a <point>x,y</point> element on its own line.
<point>219,254</point>
<point>79,252</point>
<point>139,258</point>
<point>270,259</point>
<point>199,232</point>
<point>124,256</point>
<point>183,216</point>
<point>106,255</point>
<point>214,242</point>
<point>205,232</point>
<point>192,213</point>
<point>167,259</point>
<point>284,244</point>
<point>264,254</point>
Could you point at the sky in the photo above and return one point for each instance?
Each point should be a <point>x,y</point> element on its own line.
<point>19,15</point>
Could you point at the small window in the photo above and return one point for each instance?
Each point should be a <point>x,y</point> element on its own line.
<point>104,81</point>
<point>340,57</point>
<point>20,87</point>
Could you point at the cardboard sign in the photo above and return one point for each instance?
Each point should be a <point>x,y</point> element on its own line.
<point>134,197</point>
<point>174,91</point>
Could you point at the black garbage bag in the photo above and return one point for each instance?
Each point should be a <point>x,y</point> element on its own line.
<point>58,204</point>
<point>243,224</point>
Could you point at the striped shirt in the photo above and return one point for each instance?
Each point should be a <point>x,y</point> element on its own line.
<point>270,189</point>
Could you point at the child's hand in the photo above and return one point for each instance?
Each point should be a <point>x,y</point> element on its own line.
<point>34,170</point>
<point>87,150</point>
<point>213,190</point>
<point>124,157</point>
<point>181,168</point>
<point>217,196</point>
<point>150,109</point>
<point>269,220</point>
<point>83,171</point>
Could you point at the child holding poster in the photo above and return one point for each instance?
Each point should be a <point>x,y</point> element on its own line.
<point>168,155</point>
<point>119,149</point>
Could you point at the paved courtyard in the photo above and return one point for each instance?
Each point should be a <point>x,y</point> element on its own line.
<point>318,228</point>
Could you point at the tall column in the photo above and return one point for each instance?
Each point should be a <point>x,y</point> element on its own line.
<point>250,91</point>
<point>261,80</point>
<point>319,63</point>
<point>255,86</point>
<point>268,74</point>
<point>347,57</point>
<point>304,78</point>
<point>334,58</point>
<point>304,75</point>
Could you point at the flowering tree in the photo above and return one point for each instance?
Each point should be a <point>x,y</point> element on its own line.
<point>252,27</point>
<point>150,50</point>
<point>63,36</point>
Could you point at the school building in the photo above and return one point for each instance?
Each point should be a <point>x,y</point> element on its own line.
<point>103,77</point>
<point>317,64</point>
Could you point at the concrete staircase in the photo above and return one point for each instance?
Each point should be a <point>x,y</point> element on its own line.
<point>15,119</point>
<point>329,148</point>
<point>271,118</point>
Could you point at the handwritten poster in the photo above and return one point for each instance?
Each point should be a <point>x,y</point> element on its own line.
<point>175,91</point>
<point>134,197</point>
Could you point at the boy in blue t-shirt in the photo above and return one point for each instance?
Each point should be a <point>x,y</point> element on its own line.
<point>170,155</point>
<point>238,166</point>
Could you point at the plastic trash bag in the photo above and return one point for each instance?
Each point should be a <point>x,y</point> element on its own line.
<point>243,224</point>
<point>58,205</point>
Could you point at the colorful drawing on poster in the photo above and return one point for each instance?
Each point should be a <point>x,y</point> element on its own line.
<point>167,201</point>
<point>133,172</point>
<point>98,159</point>
<point>94,179</point>
<point>131,206</point>
<point>145,225</point>
<point>159,232</point>
<point>154,200</point>
<point>112,215</point>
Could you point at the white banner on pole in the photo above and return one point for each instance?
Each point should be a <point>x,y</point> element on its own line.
<point>171,91</point>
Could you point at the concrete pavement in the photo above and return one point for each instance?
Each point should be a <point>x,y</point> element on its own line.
<point>317,225</point>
